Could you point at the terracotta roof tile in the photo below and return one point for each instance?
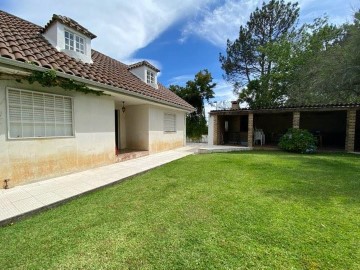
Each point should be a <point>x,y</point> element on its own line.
<point>143,63</point>
<point>105,70</point>
<point>70,23</point>
<point>294,107</point>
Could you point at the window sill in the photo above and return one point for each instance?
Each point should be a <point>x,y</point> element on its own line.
<point>39,138</point>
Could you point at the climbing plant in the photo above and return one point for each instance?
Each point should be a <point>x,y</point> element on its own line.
<point>50,79</point>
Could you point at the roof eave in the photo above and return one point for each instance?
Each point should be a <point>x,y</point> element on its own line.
<point>98,85</point>
<point>324,107</point>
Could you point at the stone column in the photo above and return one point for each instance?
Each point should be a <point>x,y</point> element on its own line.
<point>250,129</point>
<point>216,130</point>
<point>350,130</point>
<point>296,120</point>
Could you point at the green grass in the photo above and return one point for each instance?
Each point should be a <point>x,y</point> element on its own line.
<point>254,210</point>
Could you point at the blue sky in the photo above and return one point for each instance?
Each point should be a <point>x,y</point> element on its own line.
<point>180,37</point>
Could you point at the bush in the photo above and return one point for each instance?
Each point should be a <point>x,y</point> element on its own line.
<point>195,126</point>
<point>298,141</point>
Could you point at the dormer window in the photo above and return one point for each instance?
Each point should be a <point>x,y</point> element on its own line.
<point>145,72</point>
<point>74,42</point>
<point>150,77</point>
<point>68,36</point>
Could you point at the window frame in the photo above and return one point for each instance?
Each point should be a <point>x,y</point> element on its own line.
<point>150,77</point>
<point>174,130</point>
<point>8,122</point>
<point>75,42</point>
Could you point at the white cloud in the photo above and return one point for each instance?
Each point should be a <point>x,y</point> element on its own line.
<point>222,22</point>
<point>338,11</point>
<point>180,80</point>
<point>122,27</point>
<point>223,91</point>
<point>223,95</point>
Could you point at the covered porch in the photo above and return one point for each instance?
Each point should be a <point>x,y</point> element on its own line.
<point>131,128</point>
<point>336,127</point>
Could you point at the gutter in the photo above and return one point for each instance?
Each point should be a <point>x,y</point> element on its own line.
<point>97,85</point>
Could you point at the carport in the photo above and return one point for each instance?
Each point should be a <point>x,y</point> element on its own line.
<point>336,126</point>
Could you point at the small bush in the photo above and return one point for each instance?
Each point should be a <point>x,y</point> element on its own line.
<point>298,141</point>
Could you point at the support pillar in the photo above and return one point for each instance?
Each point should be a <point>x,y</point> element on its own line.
<point>250,129</point>
<point>296,120</point>
<point>350,130</point>
<point>216,130</point>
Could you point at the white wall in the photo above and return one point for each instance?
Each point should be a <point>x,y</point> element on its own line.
<point>24,160</point>
<point>122,117</point>
<point>141,72</point>
<point>137,127</point>
<point>211,130</point>
<point>160,140</point>
<point>55,34</point>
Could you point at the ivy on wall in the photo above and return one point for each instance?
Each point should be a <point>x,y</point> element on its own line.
<point>49,79</point>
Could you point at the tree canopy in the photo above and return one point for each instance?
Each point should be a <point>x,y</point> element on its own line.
<point>246,64</point>
<point>273,61</point>
<point>327,69</point>
<point>196,92</point>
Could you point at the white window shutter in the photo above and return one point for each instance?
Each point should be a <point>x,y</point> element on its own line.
<point>169,122</point>
<point>32,114</point>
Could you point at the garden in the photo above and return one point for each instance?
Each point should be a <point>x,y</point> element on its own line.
<point>250,210</point>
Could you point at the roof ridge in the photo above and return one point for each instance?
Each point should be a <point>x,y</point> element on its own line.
<point>143,62</point>
<point>70,23</point>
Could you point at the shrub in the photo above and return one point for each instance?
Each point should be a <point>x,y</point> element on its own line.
<point>298,141</point>
<point>196,126</point>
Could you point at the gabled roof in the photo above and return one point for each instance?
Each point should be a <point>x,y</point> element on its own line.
<point>22,41</point>
<point>143,63</point>
<point>70,23</point>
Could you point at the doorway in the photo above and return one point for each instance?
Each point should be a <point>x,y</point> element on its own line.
<point>117,130</point>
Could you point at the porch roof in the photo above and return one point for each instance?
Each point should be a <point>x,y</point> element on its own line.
<point>288,108</point>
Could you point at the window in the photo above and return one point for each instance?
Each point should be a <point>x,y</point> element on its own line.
<point>169,122</point>
<point>74,42</point>
<point>150,77</point>
<point>36,115</point>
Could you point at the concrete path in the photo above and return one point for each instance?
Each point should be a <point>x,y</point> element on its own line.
<point>23,200</point>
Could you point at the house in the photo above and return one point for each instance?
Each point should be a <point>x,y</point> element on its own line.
<point>336,126</point>
<point>48,130</point>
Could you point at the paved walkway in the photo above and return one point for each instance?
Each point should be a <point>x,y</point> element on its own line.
<point>26,199</point>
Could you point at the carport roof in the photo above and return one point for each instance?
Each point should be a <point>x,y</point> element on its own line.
<point>290,108</point>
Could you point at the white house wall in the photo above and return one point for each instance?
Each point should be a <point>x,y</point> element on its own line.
<point>137,127</point>
<point>141,71</point>
<point>55,34</point>
<point>211,130</point>
<point>122,124</point>
<point>160,140</point>
<point>23,160</point>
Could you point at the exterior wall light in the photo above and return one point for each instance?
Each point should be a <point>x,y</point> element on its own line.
<point>123,107</point>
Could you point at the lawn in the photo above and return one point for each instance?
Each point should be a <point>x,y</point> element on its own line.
<point>253,210</point>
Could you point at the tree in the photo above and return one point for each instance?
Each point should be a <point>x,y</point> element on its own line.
<point>247,65</point>
<point>296,60</point>
<point>320,63</point>
<point>196,92</point>
<point>330,70</point>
